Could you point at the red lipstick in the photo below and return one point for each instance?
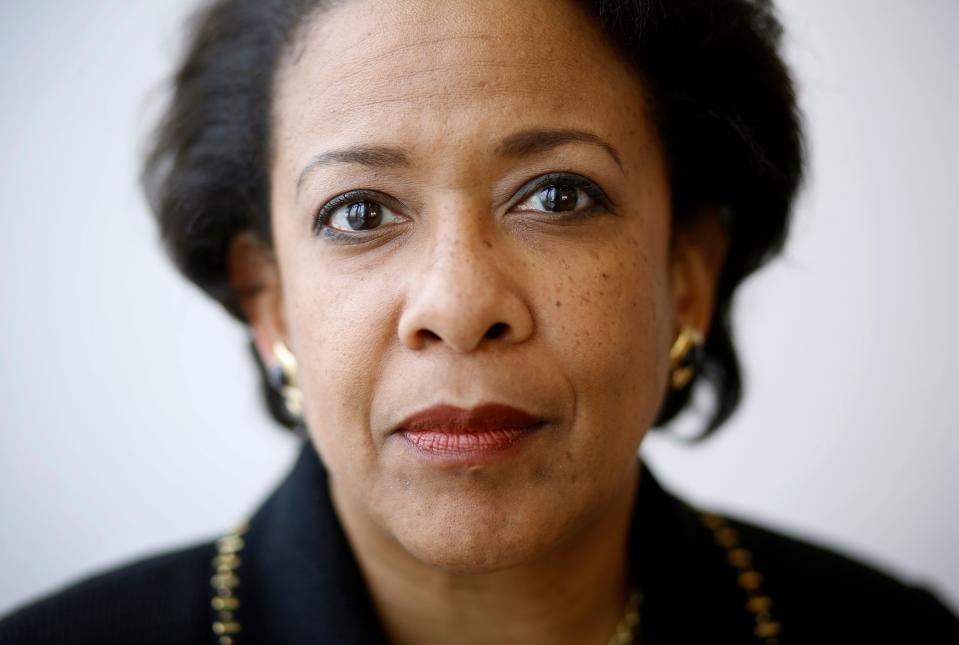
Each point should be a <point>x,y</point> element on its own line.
<point>453,435</point>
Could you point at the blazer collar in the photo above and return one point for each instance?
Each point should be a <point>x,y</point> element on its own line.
<point>300,582</point>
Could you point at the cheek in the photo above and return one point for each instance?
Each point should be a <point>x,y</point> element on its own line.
<point>607,320</point>
<point>340,332</point>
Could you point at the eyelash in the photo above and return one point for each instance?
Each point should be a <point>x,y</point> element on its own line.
<point>593,191</point>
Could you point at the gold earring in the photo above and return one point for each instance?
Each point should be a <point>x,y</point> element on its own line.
<point>285,380</point>
<point>684,356</point>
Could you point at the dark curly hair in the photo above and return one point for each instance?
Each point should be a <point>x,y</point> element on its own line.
<point>721,99</point>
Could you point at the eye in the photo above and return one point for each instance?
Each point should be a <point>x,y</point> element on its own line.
<point>360,216</point>
<point>351,213</point>
<point>562,193</point>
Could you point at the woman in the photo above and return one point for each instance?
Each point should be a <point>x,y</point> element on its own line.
<point>482,249</point>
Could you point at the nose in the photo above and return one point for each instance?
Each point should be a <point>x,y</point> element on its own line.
<point>466,295</point>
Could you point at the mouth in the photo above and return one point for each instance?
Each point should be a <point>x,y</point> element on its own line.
<point>450,435</point>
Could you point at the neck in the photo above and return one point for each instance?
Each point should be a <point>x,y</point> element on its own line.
<point>574,594</point>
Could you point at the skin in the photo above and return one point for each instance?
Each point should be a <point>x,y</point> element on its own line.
<point>585,310</point>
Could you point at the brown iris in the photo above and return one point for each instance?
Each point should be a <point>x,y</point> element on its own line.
<point>363,215</point>
<point>558,198</point>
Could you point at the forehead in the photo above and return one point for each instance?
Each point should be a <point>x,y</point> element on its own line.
<point>464,71</point>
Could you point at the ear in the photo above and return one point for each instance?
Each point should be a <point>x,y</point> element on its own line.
<point>697,253</point>
<point>255,278</point>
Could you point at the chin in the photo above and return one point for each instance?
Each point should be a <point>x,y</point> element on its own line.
<point>474,554</point>
<point>475,538</point>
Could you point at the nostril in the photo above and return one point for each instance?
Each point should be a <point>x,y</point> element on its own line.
<point>427,333</point>
<point>496,331</point>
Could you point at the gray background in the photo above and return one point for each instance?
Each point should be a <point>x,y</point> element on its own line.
<point>129,411</point>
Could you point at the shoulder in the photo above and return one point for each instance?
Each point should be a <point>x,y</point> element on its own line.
<point>821,595</point>
<point>163,598</point>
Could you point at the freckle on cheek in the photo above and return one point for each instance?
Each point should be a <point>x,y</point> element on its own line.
<point>540,472</point>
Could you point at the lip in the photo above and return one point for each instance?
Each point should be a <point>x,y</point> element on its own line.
<point>455,436</point>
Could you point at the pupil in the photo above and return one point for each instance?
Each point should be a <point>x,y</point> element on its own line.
<point>363,215</point>
<point>558,198</point>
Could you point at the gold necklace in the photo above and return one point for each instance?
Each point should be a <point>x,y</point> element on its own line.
<point>226,603</point>
<point>628,628</point>
<point>225,582</point>
<point>758,604</point>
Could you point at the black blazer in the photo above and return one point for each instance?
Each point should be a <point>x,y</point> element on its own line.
<point>300,584</point>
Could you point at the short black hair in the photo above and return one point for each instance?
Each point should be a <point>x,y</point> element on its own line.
<point>720,96</point>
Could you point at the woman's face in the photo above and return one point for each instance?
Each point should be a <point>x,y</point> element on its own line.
<point>464,273</point>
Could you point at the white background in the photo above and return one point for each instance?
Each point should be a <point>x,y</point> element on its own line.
<point>130,415</point>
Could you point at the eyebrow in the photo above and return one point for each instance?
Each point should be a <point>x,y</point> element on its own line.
<point>521,144</point>
<point>533,142</point>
